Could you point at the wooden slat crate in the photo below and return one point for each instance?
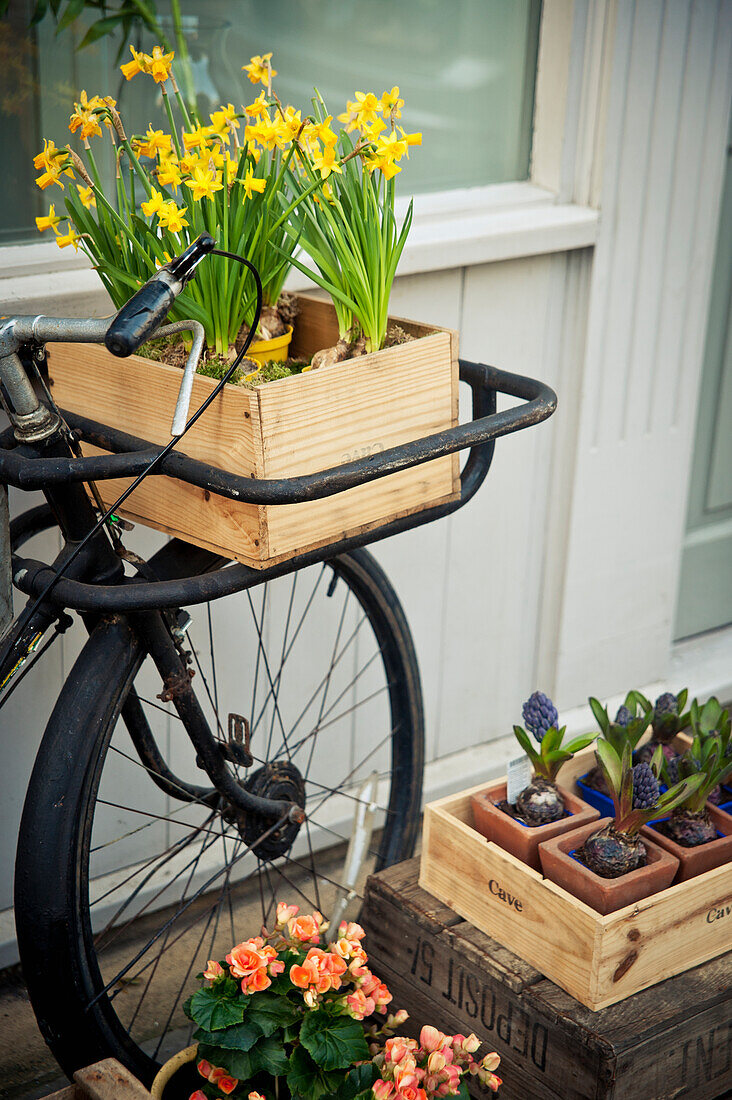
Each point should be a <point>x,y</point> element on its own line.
<point>671,1041</point>
<point>296,425</point>
<point>107,1080</point>
<point>598,959</point>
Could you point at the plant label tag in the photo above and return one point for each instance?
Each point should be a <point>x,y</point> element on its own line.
<point>519,776</point>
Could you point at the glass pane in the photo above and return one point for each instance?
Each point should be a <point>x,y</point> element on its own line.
<point>466,71</point>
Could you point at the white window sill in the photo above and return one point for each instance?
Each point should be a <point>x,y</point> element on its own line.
<point>451,229</point>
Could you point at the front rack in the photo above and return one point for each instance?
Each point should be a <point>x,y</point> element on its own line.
<point>131,457</point>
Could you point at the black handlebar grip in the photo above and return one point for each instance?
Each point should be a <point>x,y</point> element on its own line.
<point>141,316</point>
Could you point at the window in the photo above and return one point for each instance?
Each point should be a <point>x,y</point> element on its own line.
<point>465,69</point>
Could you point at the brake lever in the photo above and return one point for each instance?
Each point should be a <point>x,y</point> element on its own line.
<point>180,416</point>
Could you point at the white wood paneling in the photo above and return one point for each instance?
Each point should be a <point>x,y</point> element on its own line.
<point>666,131</point>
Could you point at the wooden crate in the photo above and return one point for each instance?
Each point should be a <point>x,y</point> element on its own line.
<point>598,959</point>
<point>107,1080</point>
<point>297,425</point>
<point>674,1040</point>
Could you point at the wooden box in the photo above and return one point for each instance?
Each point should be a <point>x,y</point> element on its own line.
<point>598,959</point>
<point>672,1041</point>
<point>297,425</point>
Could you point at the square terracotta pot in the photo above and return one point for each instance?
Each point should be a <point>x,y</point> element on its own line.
<point>695,861</point>
<point>520,840</point>
<point>604,894</point>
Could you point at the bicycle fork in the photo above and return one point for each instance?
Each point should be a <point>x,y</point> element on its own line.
<point>213,756</point>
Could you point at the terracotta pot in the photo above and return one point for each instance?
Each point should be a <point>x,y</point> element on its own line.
<point>521,840</point>
<point>604,894</point>
<point>695,861</point>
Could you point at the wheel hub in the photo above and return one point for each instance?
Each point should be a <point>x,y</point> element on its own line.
<point>279,780</point>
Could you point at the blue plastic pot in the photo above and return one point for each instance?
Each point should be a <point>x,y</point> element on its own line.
<point>596,799</point>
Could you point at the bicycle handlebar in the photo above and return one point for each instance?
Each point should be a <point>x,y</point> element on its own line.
<point>146,310</point>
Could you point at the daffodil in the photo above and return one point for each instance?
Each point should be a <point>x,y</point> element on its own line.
<point>203,183</point>
<point>55,162</point>
<point>252,183</point>
<point>65,239</point>
<point>224,121</point>
<point>156,142</point>
<point>259,70</point>
<point>87,196</point>
<point>368,106</point>
<point>197,137</point>
<point>326,162</point>
<point>171,217</point>
<point>140,64</point>
<point>50,221</point>
<point>84,119</point>
<point>391,104</point>
<point>323,132</point>
<point>373,130</point>
<point>169,174</point>
<point>411,139</point>
<point>154,204</point>
<point>391,147</point>
<point>349,118</point>
<point>160,65</point>
<point>259,107</point>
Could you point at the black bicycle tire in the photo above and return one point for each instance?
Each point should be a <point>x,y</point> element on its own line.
<point>53,927</point>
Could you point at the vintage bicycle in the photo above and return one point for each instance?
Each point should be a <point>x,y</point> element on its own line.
<point>225,733</point>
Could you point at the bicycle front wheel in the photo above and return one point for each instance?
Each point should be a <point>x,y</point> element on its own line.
<point>123,890</point>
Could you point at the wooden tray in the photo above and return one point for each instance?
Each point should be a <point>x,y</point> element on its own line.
<point>598,959</point>
<point>297,425</point>
<point>673,1040</point>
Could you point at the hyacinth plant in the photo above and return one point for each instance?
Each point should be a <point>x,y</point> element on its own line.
<point>541,802</point>
<point>617,848</point>
<point>631,721</point>
<point>349,229</point>
<point>710,757</point>
<point>289,1014</point>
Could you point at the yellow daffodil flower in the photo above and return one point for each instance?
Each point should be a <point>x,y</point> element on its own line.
<point>171,217</point>
<point>203,183</point>
<point>326,162</point>
<point>391,147</point>
<point>155,203</point>
<point>251,183</point>
<point>292,123</point>
<point>224,121</point>
<point>323,132</point>
<point>157,142</point>
<point>258,70</point>
<point>140,63</point>
<point>62,240</point>
<point>87,196</point>
<point>160,65</point>
<point>391,104</point>
<point>259,107</point>
<point>55,163</point>
<point>169,174</point>
<point>374,129</point>
<point>51,220</point>
<point>197,137</point>
<point>84,119</point>
<point>411,139</point>
<point>368,106</point>
<point>350,116</point>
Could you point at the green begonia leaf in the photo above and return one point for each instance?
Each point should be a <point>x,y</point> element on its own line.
<point>334,1042</point>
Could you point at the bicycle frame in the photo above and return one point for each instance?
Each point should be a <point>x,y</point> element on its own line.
<point>36,454</point>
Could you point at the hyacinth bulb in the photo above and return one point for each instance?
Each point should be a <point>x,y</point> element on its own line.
<point>611,854</point>
<point>691,829</point>
<point>540,803</point>
<point>539,714</point>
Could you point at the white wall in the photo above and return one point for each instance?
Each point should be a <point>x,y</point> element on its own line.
<point>562,571</point>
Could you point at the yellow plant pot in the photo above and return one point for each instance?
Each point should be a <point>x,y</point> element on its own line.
<point>166,1071</point>
<point>269,351</point>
